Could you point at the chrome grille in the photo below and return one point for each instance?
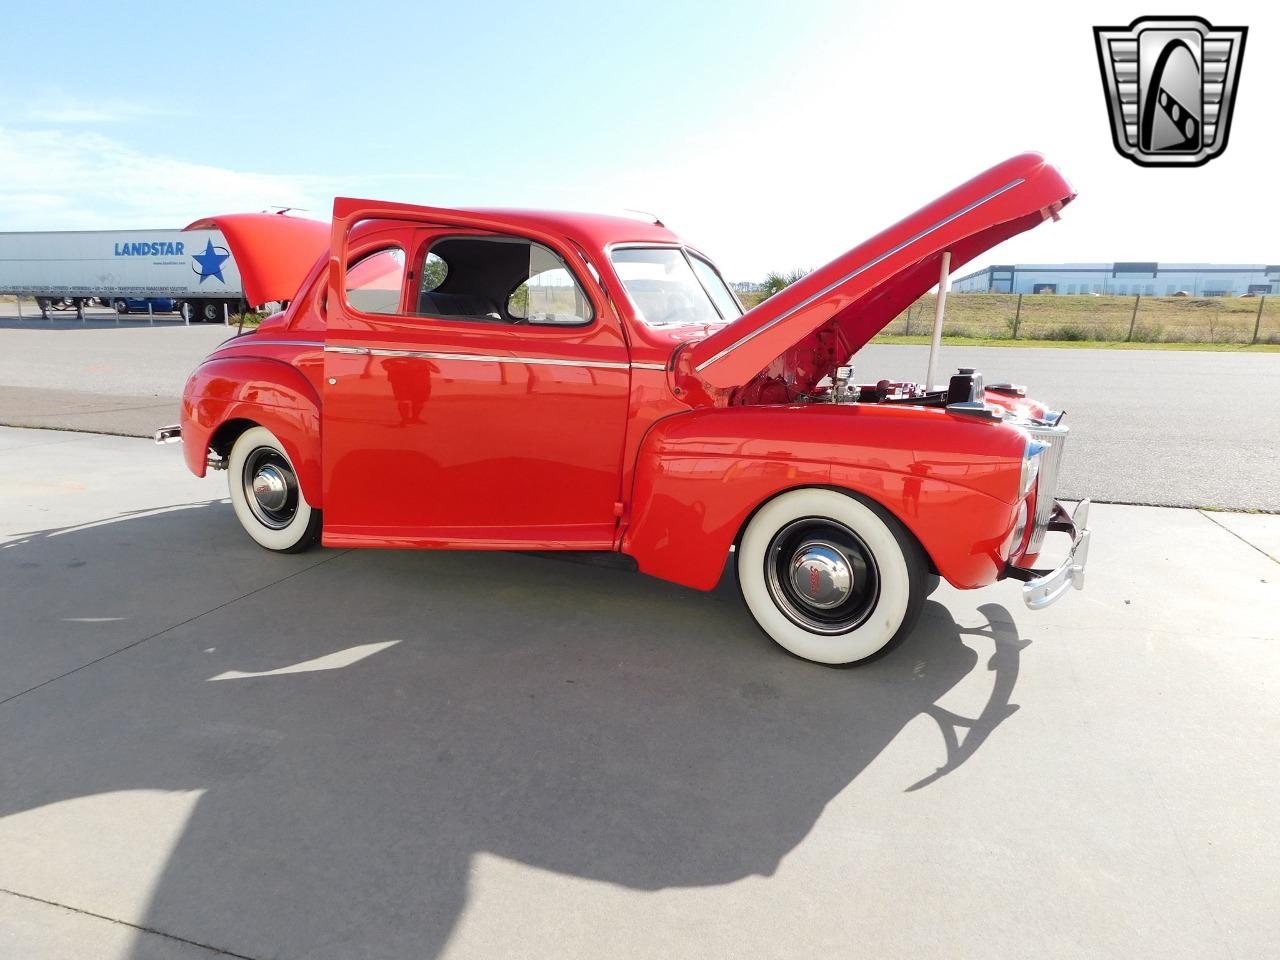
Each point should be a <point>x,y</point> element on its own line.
<point>1047,483</point>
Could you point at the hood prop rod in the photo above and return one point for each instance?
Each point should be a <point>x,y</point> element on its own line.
<point>935,343</point>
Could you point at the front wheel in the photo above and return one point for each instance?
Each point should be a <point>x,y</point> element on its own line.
<point>266,494</point>
<point>830,577</point>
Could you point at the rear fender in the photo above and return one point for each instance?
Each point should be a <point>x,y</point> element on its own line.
<point>700,476</point>
<point>270,393</point>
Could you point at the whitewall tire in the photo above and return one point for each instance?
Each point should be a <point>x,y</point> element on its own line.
<point>266,494</point>
<point>829,576</point>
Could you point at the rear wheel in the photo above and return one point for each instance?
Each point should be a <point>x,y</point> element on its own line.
<point>266,494</point>
<point>121,306</point>
<point>830,577</point>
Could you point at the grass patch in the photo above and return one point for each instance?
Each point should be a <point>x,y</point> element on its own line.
<point>1083,344</point>
<point>1080,319</point>
<point>1196,323</point>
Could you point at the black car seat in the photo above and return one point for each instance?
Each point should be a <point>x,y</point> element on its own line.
<point>467,305</point>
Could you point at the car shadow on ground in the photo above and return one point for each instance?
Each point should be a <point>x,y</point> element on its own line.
<point>362,728</point>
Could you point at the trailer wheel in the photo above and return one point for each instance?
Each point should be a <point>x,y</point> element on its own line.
<point>121,306</point>
<point>209,311</point>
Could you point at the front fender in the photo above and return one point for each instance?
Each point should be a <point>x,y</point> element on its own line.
<point>701,475</point>
<point>267,392</point>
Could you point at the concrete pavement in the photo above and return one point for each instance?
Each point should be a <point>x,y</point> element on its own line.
<point>391,754</point>
<point>120,414</point>
<point>98,376</point>
<point>1156,427</point>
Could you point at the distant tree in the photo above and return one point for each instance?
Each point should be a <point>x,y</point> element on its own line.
<point>775,281</point>
<point>434,271</point>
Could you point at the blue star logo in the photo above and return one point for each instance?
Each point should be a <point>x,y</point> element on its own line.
<point>210,262</point>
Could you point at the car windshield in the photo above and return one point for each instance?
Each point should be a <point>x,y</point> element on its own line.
<point>666,290</point>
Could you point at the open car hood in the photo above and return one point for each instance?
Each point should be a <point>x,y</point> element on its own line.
<point>856,295</point>
<point>273,252</point>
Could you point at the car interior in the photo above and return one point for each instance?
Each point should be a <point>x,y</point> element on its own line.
<point>499,280</point>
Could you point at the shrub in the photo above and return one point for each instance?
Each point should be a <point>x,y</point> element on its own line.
<point>1065,331</point>
<point>775,281</point>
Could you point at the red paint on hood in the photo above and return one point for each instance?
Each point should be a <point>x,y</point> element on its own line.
<point>857,294</point>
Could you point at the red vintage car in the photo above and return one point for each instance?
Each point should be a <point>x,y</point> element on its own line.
<point>503,379</point>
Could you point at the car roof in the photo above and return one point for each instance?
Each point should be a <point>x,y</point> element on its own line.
<point>588,229</point>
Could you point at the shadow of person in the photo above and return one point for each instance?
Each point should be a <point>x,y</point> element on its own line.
<point>362,729</point>
<point>410,385</point>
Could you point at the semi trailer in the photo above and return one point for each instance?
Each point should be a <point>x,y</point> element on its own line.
<point>127,269</point>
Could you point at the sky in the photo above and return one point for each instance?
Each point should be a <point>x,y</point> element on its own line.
<point>772,136</point>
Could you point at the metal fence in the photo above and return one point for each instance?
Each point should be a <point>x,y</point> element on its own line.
<point>1138,319</point>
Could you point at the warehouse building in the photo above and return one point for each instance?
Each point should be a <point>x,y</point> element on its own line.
<point>1125,278</point>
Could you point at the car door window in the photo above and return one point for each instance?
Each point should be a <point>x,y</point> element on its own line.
<point>549,296</point>
<point>375,280</point>
<point>502,280</point>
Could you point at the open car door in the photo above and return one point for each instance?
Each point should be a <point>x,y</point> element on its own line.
<point>476,385</point>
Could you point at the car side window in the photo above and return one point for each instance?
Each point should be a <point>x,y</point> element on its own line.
<point>375,280</point>
<point>501,280</point>
<point>549,296</point>
<point>433,272</point>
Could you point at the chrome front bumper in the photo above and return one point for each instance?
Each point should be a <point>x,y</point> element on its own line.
<point>1043,587</point>
<point>168,434</point>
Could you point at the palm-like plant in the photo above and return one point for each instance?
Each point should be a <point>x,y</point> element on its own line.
<point>775,281</point>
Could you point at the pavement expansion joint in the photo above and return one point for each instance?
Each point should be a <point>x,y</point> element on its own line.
<point>218,951</point>
<point>1210,517</point>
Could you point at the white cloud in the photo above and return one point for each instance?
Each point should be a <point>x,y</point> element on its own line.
<point>56,107</point>
<point>58,180</point>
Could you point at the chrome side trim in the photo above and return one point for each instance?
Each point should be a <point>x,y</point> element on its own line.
<point>862,269</point>
<point>478,358</point>
<point>263,342</point>
<point>485,358</point>
<point>648,366</point>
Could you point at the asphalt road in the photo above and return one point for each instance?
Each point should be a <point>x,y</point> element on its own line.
<point>1164,427</point>
<point>390,754</point>
<point>1149,426</point>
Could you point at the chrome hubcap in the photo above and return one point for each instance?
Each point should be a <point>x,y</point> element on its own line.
<point>270,487</point>
<point>822,575</point>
